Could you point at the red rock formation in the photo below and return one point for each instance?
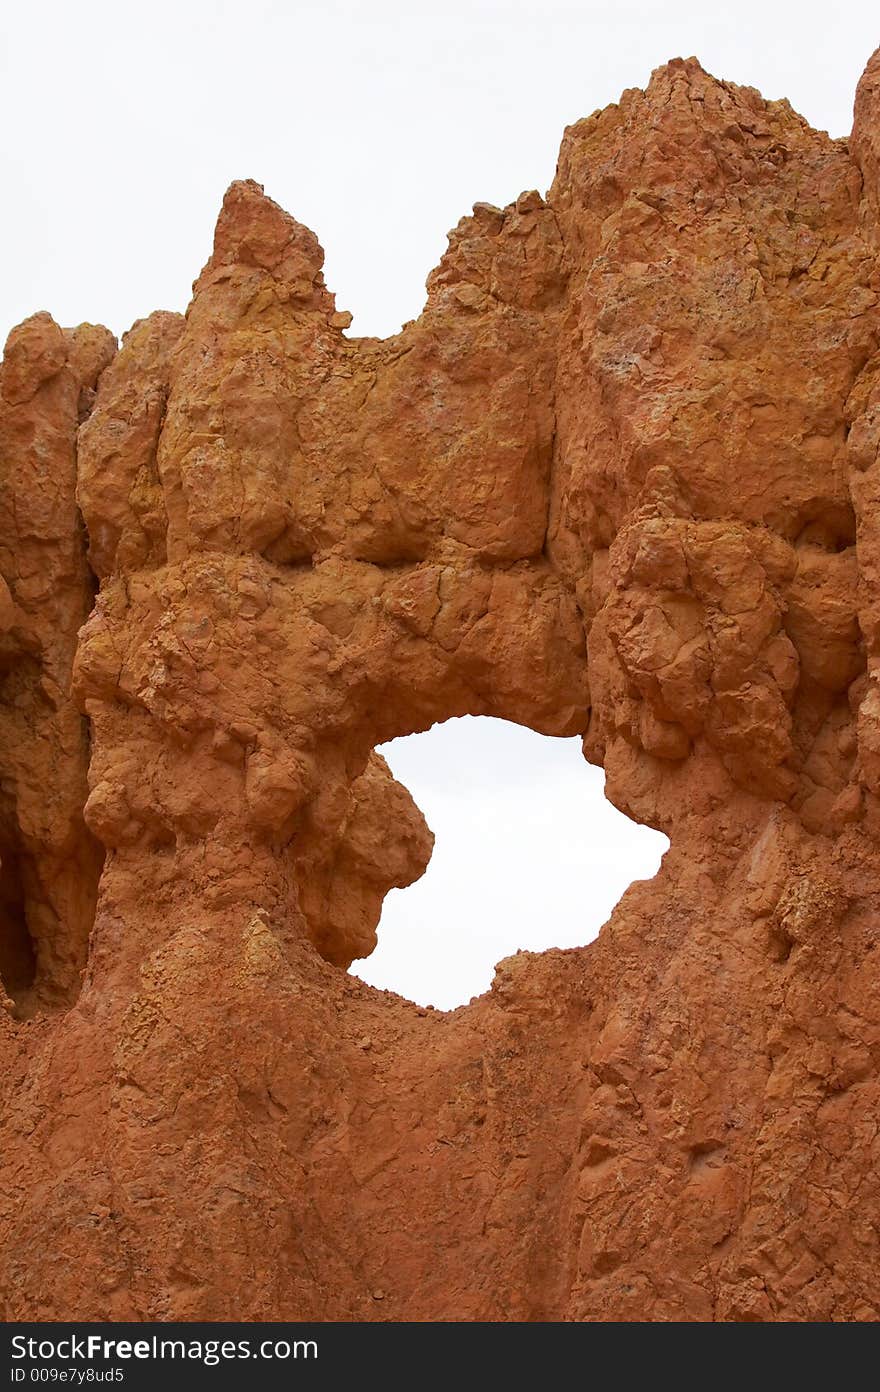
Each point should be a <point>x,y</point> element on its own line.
<point>619,479</point>
<point>50,863</point>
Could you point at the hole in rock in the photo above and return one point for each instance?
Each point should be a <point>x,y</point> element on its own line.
<point>18,963</point>
<point>528,854</point>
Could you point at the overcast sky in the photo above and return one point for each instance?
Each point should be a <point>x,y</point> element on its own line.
<point>378,124</point>
<point>527,854</point>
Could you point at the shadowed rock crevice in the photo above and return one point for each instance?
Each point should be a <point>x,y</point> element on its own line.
<point>18,961</point>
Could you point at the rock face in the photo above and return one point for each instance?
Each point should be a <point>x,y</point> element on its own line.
<point>621,479</point>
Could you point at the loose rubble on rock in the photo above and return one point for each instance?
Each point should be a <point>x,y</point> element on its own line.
<point>621,479</point>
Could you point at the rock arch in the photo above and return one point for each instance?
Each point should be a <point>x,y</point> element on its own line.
<point>616,481</point>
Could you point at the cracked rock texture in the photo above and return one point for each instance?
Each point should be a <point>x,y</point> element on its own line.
<point>621,479</point>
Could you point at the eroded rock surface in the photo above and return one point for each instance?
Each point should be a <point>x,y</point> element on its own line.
<point>620,479</point>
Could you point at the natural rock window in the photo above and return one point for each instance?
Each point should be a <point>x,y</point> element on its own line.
<point>528,854</point>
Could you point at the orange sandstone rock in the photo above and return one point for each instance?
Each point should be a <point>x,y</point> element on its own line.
<point>618,480</point>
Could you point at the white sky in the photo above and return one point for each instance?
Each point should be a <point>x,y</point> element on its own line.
<point>378,124</point>
<point>528,854</point>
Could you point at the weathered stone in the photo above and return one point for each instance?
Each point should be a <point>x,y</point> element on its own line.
<point>621,479</point>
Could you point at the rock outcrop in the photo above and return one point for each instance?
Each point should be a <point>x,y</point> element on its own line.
<point>620,479</point>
